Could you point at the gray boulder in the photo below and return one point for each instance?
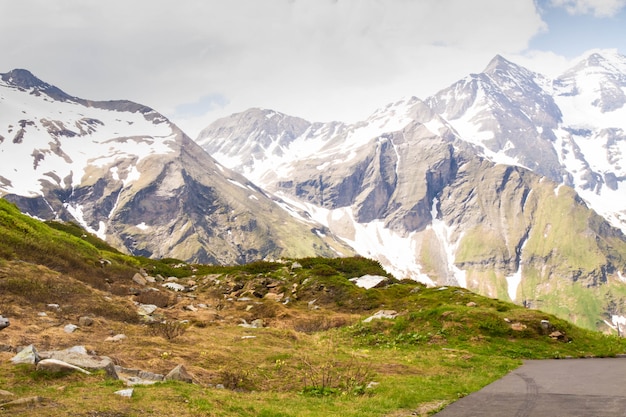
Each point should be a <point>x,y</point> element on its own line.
<point>139,279</point>
<point>77,356</point>
<point>27,355</point>
<point>179,374</point>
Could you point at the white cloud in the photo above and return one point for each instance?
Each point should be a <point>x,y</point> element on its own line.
<point>598,8</point>
<point>320,59</point>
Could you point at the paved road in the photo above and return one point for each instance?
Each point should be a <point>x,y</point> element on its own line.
<point>555,388</point>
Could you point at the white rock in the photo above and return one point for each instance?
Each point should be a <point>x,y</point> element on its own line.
<point>27,355</point>
<point>70,328</point>
<point>174,286</point>
<point>368,281</point>
<point>125,392</point>
<point>382,314</point>
<point>116,338</point>
<point>146,309</point>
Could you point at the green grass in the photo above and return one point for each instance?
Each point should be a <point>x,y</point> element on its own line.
<point>315,358</point>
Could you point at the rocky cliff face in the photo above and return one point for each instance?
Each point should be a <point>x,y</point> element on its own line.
<point>126,173</point>
<point>487,184</point>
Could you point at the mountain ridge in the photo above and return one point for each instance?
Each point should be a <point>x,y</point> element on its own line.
<point>423,186</point>
<point>125,172</point>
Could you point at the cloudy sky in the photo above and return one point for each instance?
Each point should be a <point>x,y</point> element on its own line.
<point>197,60</point>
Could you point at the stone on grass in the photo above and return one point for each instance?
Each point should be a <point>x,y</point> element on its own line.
<point>382,314</point>
<point>139,279</point>
<point>127,393</point>
<point>78,356</point>
<point>26,401</point>
<point>146,309</point>
<point>55,365</point>
<point>174,286</point>
<point>4,394</point>
<point>27,355</point>
<point>85,321</point>
<point>116,338</point>
<point>368,281</point>
<point>179,373</point>
<point>70,328</point>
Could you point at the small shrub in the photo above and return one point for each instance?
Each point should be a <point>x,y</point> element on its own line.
<point>318,324</point>
<point>236,380</point>
<point>323,270</point>
<point>333,377</point>
<point>168,330</point>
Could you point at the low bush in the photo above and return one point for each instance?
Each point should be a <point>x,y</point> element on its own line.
<point>168,330</point>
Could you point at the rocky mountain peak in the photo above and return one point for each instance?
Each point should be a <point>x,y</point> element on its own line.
<point>498,62</point>
<point>24,79</point>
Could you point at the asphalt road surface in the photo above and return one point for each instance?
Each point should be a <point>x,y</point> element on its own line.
<point>551,388</point>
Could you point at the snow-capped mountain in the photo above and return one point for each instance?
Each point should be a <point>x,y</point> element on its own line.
<point>570,129</point>
<point>487,184</point>
<point>128,174</point>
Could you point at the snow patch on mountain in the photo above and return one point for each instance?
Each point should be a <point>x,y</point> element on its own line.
<point>28,121</point>
<point>443,233</point>
<point>397,253</point>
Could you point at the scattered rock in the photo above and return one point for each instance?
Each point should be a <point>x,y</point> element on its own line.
<point>78,356</point>
<point>369,281</point>
<point>132,377</point>
<point>547,327</point>
<point>179,373</point>
<point>139,279</point>
<point>4,323</point>
<point>274,297</point>
<point>4,394</point>
<point>27,355</point>
<point>517,326</point>
<point>27,401</point>
<point>55,365</point>
<point>190,307</point>
<point>255,324</point>
<point>116,338</point>
<point>85,321</point>
<point>174,286</point>
<point>146,309</point>
<point>70,328</point>
<point>54,307</point>
<point>471,304</point>
<point>382,314</point>
<point>557,335</point>
<point>127,393</point>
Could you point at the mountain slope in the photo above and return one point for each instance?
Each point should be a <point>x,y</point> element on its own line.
<point>470,187</point>
<point>125,172</point>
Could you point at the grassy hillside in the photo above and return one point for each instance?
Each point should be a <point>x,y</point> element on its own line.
<point>314,356</point>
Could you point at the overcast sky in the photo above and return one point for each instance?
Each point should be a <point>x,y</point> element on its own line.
<point>197,60</point>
